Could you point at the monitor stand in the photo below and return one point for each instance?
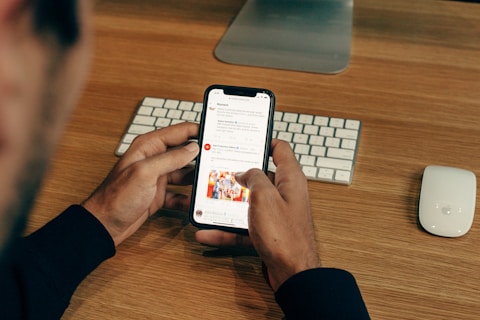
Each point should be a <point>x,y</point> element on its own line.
<point>303,35</point>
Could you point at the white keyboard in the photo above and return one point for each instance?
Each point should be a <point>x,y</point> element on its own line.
<point>325,147</point>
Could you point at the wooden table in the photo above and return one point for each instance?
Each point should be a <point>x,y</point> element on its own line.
<point>413,81</point>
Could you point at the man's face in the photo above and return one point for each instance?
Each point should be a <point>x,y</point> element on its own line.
<point>39,84</point>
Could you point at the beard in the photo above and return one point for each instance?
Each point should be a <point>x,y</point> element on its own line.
<point>30,175</point>
<point>27,185</point>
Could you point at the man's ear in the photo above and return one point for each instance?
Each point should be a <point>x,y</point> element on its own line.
<point>9,8</point>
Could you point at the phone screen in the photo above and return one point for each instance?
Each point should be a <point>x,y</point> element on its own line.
<point>235,136</point>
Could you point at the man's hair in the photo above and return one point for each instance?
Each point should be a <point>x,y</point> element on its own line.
<point>58,18</point>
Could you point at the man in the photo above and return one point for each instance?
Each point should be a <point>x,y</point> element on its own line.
<point>44,52</point>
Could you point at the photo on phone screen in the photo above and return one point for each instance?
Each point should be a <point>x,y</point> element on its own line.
<point>235,136</point>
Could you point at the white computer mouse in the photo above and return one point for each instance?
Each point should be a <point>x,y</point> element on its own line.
<point>447,201</point>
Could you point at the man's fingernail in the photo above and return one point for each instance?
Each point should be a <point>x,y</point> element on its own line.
<point>192,147</point>
<point>239,174</point>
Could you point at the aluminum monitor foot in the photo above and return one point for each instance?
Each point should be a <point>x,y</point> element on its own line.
<point>302,35</point>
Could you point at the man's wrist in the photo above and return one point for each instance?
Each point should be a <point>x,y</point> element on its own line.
<point>114,233</point>
<point>279,274</point>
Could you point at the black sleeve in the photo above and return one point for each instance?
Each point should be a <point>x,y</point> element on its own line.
<point>45,268</point>
<point>322,294</point>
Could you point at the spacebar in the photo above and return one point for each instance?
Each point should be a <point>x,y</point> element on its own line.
<point>334,164</point>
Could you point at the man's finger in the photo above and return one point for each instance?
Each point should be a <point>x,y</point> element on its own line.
<point>253,179</point>
<point>289,177</point>
<point>176,201</point>
<point>282,154</point>
<point>182,177</point>
<point>218,238</point>
<point>168,162</point>
<point>159,141</point>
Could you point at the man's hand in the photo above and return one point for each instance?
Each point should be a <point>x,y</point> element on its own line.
<point>135,189</point>
<point>280,222</point>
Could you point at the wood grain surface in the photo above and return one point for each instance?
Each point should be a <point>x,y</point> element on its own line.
<point>413,81</point>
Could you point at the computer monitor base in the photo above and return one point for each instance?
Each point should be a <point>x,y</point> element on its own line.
<point>302,35</point>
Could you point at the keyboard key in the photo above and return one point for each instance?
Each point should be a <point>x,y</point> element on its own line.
<point>145,120</point>
<point>290,117</point>
<point>340,153</point>
<point>327,131</point>
<point>346,134</point>
<point>326,174</point>
<point>332,142</point>
<point>198,107</point>
<point>189,116</point>
<point>302,149</point>
<point>176,121</point>
<point>123,148</point>
<point>307,160</point>
<point>171,104</point>
<point>334,163</point>
<point>305,119</point>
<point>343,176</point>
<point>295,127</point>
<point>184,105</point>
<point>174,114</point>
<point>352,124</point>
<point>300,138</point>
<point>309,171</point>
<point>318,151</point>
<point>277,116</point>
<point>160,112</point>
<point>321,121</point>
<point>310,129</point>
<point>163,122</point>
<point>144,110</point>
<point>316,140</point>
<point>153,102</point>
<point>128,138</point>
<point>287,136</point>
<point>279,126</point>
<point>349,144</point>
<point>139,129</point>
<point>336,123</point>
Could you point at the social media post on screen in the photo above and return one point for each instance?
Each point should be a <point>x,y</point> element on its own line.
<point>233,141</point>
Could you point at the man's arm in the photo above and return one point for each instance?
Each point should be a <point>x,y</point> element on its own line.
<point>46,267</point>
<point>322,293</point>
<point>281,230</point>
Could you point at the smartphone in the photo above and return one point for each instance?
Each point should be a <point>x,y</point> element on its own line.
<point>235,136</point>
